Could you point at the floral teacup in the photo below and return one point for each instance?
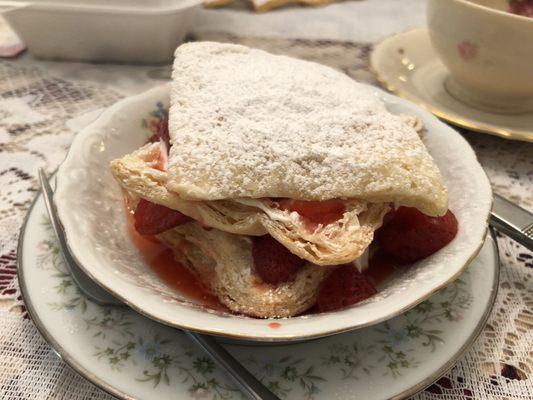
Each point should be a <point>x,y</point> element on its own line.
<point>488,51</point>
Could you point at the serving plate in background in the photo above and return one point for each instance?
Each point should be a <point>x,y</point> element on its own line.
<point>90,207</point>
<point>125,31</point>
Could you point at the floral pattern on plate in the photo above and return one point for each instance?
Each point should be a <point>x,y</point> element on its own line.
<point>145,354</point>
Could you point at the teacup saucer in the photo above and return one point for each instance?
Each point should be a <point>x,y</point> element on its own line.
<point>407,65</point>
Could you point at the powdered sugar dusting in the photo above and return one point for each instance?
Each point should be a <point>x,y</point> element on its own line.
<point>250,124</point>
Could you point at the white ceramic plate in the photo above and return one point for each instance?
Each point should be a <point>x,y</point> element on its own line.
<point>132,357</point>
<point>90,207</point>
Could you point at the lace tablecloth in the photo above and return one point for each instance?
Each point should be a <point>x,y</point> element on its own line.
<point>37,99</point>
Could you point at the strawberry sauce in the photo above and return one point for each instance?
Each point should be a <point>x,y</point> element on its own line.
<point>161,260</point>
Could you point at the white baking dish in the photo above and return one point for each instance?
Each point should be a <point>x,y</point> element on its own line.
<point>126,31</point>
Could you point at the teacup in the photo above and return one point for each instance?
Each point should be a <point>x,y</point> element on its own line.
<point>488,51</point>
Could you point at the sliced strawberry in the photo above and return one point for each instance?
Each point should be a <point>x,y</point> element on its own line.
<point>344,287</point>
<point>380,267</point>
<point>162,133</point>
<point>151,218</point>
<point>410,235</point>
<point>273,262</point>
<point>320,212</point>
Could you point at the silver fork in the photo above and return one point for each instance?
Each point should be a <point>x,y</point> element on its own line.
<point>244,380</point>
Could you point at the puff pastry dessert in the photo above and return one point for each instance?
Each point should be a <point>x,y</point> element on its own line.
<point>260,144</point>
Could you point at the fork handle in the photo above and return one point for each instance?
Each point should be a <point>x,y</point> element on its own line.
<point>513,221</point>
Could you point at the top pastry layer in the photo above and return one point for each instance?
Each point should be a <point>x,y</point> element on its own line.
<point>248,124</point>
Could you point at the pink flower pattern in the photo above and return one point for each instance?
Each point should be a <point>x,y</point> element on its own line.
<point>467,50</point>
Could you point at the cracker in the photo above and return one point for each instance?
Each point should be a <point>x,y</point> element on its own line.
<point>216,3</point>
<point>266,5</point>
